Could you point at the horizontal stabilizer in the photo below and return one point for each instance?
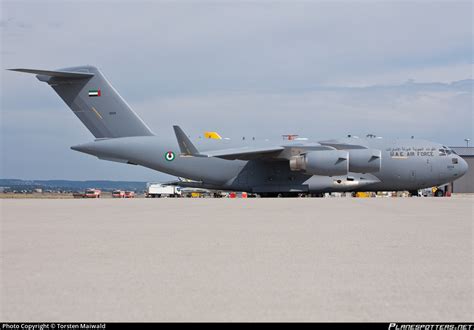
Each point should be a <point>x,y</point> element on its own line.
<point>57,74</point>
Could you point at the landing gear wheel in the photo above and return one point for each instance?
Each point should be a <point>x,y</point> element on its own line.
<point>413,193</point>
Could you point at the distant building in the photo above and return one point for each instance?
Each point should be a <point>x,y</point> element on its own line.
<point>465,184</point>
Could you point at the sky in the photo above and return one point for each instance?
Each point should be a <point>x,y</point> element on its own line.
<point>318,69</point>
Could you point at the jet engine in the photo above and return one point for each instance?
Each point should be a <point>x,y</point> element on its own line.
<point>364,160</point>
<point>322,162</point>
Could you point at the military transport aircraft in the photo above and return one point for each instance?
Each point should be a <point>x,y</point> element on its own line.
<point>285,167</point>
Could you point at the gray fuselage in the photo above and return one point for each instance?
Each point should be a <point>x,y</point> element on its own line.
<point>408,164</point>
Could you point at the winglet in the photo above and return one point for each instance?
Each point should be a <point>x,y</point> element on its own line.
<point>185,145</point>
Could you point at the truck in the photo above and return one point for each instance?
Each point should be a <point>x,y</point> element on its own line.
<point>118,194</point>
<point>92,193</point>
<point>129,194</point>
<point>157,190</point>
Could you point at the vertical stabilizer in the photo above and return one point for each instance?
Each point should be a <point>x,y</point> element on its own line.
<point>94,101</point>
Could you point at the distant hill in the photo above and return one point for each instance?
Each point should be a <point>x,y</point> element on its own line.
<point>67,185</point>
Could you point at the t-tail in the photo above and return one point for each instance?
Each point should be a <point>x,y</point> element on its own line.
<point>94,101</point>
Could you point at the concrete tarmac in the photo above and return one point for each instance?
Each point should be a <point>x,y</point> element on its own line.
<point>331,259</point>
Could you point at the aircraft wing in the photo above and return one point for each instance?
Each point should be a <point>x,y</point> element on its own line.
<point>342,145</point>
<point>244,153</point>
<point>282,152</point>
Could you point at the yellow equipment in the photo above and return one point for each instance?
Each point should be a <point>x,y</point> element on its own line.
<point>212,135</point>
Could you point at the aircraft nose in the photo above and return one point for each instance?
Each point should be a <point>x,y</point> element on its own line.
<point>463,167</point>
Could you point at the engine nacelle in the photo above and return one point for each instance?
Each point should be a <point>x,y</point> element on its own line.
<point>322,162</point>
<point>364,160</point>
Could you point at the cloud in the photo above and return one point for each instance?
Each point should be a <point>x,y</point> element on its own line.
<point>439,111</point>
<point>189,46</point>
<point>319,69</point>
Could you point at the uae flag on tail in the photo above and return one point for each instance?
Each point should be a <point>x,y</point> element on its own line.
<point>94,92</point>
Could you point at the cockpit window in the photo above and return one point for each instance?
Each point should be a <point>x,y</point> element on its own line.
<point>444,151</point>
<point>454,160</point>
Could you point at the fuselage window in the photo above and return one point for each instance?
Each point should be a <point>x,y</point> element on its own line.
<point>454,160</point>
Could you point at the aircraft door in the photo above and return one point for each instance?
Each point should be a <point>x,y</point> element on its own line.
<point>242,177</point>
<point>244,174</point>
<point>425,173</point>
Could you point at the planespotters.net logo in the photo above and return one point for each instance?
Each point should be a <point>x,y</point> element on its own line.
<point>395,326</point>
